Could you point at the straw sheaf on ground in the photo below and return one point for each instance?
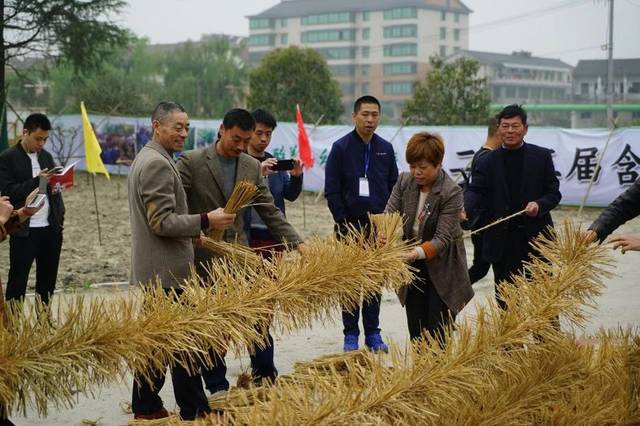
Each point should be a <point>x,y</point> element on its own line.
<point>92,343</point>
<point>501,368</point>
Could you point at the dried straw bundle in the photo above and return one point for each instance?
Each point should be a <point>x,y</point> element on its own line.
<point>387,225</point>
<point>97,341</point>
<point>242,194</point>
<point>513,367</point>
<point>235,252</point>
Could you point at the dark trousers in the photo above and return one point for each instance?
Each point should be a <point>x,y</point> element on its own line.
<point>42,245</point>
<point>262,368</point>
<point>370,308</point>
<point>480,267</point>
<point>187,389</point>
<point>426,311</point>
<point>516,252</point>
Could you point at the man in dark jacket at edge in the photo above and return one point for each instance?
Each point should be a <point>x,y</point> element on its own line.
<point>621,210</point>
<point>360,173</point>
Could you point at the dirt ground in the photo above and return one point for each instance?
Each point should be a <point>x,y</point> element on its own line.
<point>84,262</point>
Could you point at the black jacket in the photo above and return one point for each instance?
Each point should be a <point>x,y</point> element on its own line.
<point>622,209</point>
<point>16,182</point>
<point>488,196</point>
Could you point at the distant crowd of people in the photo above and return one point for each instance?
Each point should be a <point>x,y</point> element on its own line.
<point>172,203</point>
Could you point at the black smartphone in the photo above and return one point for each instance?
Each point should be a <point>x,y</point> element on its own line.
<point>56,170</point>
<point>283,165</point>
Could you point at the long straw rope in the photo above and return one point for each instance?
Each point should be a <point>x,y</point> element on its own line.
<point>497,222</point>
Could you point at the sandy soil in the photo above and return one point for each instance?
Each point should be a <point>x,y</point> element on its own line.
<point>86,262</point>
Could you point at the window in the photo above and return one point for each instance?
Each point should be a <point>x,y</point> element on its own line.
<point>348,88</point>
<point>443,51</point>
<point>547,93</point>
<point>260,23</point>
<point>322,36</point>
<point>256,57</point>
<point>510,92</point>
<point>584,88</point>
<point>523,92</point>
<point>338,52</point>
<point>261,40</point>
<point>327,18</point>
<point>364,69</point>
<point>443,16</point>
<point>365,52</point>
<point>443,33</point>
<point>635,114</point>
<point>365,16</point>
<point>585,115</point>
<point>456,17</point>
<point>284,38</point>
<point>399,68</point>
<point>343,70</point>
<point>401,31</point>
<point>456,34</point>
<point>283,22</point>
<point>401,13</point>
<point>401,49</point>
<point>365,34</point>
<point>634,87</point>
<point>398,87</point>
<point>456,49</point>
<point>365,88</point>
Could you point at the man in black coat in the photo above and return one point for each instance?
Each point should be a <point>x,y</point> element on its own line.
<point>518,176</point>
<point>21,168</point>
<point>621,210</point>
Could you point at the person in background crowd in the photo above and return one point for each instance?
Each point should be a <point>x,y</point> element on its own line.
<point>359,176</point>
<point>22,167</point>
<point>282,184</point>
<point>479,266</point>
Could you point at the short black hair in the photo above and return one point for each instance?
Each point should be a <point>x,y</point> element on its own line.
<point>37,121</point>
<point>366,99</point>
<point>511,111</point>
<point>240,118</point>
<point>264,117</point>
<point>492,128</point>
<point>164,109</point>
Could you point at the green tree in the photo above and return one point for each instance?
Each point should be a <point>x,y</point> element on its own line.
<point>79,32</point>
<point>207,78</point>
<point>291,76</point>
<point>451,94</point>
<point>129,84</point>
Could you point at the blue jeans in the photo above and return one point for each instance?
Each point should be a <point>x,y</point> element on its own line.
<point>370,318</point>
<point>262,367</point>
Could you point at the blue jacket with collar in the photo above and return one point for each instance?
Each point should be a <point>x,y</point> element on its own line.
<point>346,165</point>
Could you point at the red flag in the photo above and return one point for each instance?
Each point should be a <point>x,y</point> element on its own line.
<point>304,147</point>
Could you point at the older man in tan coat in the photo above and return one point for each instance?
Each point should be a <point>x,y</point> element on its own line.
<point>161,232</point>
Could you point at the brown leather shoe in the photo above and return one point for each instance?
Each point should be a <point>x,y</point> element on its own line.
<point>160,414</point>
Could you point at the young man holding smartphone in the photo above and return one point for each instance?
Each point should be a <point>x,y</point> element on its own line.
<point>284,178</point>
<point>22,169</point>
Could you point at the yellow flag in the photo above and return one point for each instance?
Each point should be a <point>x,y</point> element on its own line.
<point>92,148</point>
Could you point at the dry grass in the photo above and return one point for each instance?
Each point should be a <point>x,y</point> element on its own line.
<point>242,194</point>
<point>97,342</point>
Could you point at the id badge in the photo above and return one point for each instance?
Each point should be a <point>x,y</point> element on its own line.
<point>364,187</point>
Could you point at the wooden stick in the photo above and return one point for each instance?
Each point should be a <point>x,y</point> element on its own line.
<point>95,199</point>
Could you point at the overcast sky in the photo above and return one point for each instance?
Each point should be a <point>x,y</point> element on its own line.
<point>566,29</point>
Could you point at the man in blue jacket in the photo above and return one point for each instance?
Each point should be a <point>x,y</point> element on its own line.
<point>360,173</point>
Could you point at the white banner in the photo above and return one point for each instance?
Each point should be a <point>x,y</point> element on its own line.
<point>576,152</point>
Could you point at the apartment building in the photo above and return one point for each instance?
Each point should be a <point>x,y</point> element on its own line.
<point>589,84</point>
<point>377,47</point>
